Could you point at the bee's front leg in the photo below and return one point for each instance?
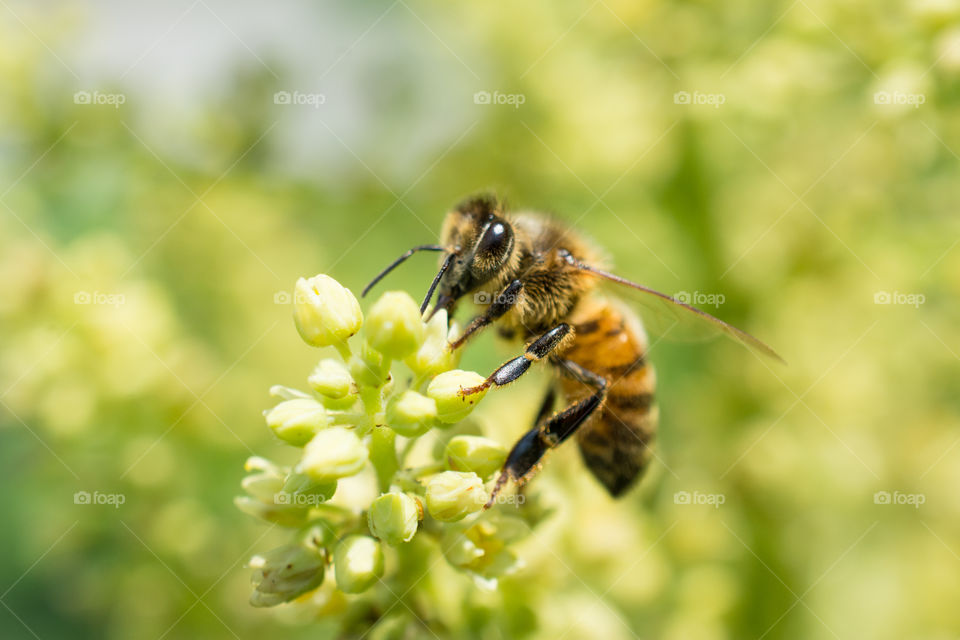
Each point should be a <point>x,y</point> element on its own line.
<point>504,301</point>
<point>513,369</point>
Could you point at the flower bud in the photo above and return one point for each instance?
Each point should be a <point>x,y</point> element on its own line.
<point>330,378</point>
<point>434,355</point>
<point>393,518</point>
<point>297,421</point>
<point>263,485</point>
<point>452,495</point>
<point>445,390</point>
<point>481,549</point>
<point>481,455</point>
<point>411,414</point>
<point>333,453</point>
<point>357,563</point>
<point>282,574</point>
<point>325,312</point>
<point>394,325</point>
<point>370,368</point>
<point>301,490</point>
<point>285,515</point>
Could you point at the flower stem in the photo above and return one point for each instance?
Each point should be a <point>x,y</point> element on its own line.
<point>383,455</point>
<point>343,349</point>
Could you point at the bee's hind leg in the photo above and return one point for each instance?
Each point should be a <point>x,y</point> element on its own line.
<point>524,459</point>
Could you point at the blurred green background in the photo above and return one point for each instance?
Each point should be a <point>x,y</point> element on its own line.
<point>797,158</point>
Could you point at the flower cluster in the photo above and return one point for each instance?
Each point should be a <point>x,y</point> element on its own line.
<point>356,424</point>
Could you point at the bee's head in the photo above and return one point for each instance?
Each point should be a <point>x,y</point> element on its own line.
<point>478,242</point>
<point>481,241</point>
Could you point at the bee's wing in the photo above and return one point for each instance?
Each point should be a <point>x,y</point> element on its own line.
<point>669,316</point>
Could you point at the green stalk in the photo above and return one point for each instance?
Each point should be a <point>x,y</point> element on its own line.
<point>383,455</point>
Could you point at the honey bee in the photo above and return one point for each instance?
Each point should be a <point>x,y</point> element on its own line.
<point>538,280</point>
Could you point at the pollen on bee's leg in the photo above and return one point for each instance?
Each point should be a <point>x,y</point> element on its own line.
<point>528,476</point>
<point>501,480</point>
<point>470,391</point>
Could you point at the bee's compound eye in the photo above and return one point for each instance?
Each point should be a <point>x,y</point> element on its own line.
<point>496,241</point>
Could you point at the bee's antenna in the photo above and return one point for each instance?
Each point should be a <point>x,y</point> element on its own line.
<point>436,280</point>
<point>393,265</point>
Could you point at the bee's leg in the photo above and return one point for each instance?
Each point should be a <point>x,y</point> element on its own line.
<point>546,408</point>
<point>513,369</point>
<point>524,458</point>
<point>504,301</point>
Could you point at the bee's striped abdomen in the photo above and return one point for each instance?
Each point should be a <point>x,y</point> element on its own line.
<point>615,440</point>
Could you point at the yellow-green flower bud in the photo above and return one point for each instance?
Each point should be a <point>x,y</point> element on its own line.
<point>284,573</point>
<point>268,479</point>
<point>445,390</point>
<point>434,355</point>
<point>370,368</point>
<point>297,421</point>
<point>300,490</point>
<point>481,550</point>
<point>481,455</point>
<point>285,515</point>
<point>333,453</point>
<point>357,563</point>
<point>393,518</point>
<point>452,495</point>
<point>262,486</point>
<point>411,414</point>
<point>325,312</point>
<point>394,325</point>
<point>331,378</point>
